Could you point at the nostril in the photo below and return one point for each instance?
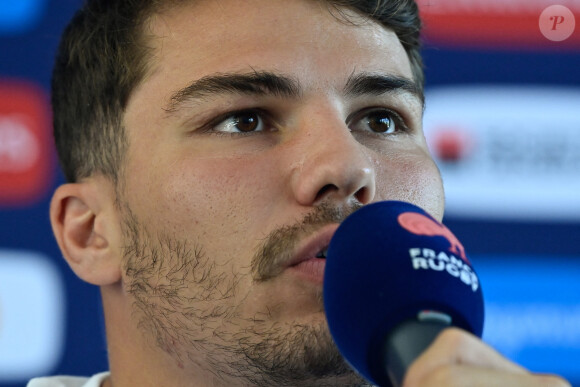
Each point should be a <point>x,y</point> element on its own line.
<point>325,190</point>
<point>363,195</point>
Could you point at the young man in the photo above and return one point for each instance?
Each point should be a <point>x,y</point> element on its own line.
<point>212,149</point>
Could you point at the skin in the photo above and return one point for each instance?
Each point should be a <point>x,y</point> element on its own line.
<point>174,247</point>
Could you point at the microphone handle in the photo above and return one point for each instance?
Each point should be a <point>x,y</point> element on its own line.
<point>405,343</point>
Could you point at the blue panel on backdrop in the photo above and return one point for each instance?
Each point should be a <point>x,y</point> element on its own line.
<point>19,16</point>
<point>533,310</point>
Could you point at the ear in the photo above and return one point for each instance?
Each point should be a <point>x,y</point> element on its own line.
<point>85,222</point>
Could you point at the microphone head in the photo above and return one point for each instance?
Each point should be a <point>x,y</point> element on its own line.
<point>386,263</point>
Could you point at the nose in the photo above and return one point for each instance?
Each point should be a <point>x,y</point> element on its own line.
<point>333,165</point>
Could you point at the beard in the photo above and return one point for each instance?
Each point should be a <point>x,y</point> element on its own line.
<point>191,307</point>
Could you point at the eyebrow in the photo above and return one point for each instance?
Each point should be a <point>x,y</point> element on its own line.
<point>261,83</point>
<point>377,84</point>
<point>256,83</point>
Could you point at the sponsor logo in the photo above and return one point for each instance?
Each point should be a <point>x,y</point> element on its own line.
<point>31,315</point>
<point>507,152</point>
<point>428,259</point>
<point>500,23</point>
<point>420,224</point>
<point>18,16</point>
<point>26,165</point>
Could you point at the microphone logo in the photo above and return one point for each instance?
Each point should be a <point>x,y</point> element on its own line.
<point>424,258</point>
<point>419,224</point>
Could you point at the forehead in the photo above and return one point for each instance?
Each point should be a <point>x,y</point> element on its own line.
<point>226,34</point>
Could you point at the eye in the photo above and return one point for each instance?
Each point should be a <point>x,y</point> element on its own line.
<point>240,122</point>
<point>381,121</point>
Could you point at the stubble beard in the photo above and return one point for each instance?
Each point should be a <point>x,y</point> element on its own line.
<point>183,300</point>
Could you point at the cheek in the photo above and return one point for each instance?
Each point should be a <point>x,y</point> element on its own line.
<point>412,178</point>
<point>211,189</point>
<point>220,199</point>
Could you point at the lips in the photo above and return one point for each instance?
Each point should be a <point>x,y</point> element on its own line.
<point>309,259</point>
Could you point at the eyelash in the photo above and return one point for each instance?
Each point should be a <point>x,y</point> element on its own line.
<point>263,115</point>
<point>398,120</point>
<point>268,121</point>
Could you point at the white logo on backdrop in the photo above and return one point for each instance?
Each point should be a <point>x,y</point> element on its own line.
<point>19,147</point>
<point>507,152</point>
<point>32,315</point>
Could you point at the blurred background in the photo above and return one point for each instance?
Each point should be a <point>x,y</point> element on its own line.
<point>502,120</point>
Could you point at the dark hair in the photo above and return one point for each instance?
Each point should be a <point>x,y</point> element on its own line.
<point>104,53</point>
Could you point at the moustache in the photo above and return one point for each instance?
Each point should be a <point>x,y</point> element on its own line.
<point>280,244</point>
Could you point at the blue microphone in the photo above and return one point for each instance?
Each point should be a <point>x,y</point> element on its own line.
<point>394,278</point>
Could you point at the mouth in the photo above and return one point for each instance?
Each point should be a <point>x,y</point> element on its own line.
<point>309,260</point>
<point>322,253</point>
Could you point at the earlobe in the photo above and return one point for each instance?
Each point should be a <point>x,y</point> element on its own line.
<point>84,222</point>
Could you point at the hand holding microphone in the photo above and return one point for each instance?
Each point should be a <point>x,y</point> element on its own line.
<point>395,278</point>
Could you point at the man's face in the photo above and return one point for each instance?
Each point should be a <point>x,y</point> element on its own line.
<point>260,126</point>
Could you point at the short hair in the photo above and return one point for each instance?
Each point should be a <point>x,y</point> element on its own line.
<point>104,53</point>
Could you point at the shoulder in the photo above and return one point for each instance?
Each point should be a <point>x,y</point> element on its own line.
<point>68,381</point>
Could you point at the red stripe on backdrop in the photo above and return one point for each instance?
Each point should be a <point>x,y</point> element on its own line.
<point>492,26</point>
